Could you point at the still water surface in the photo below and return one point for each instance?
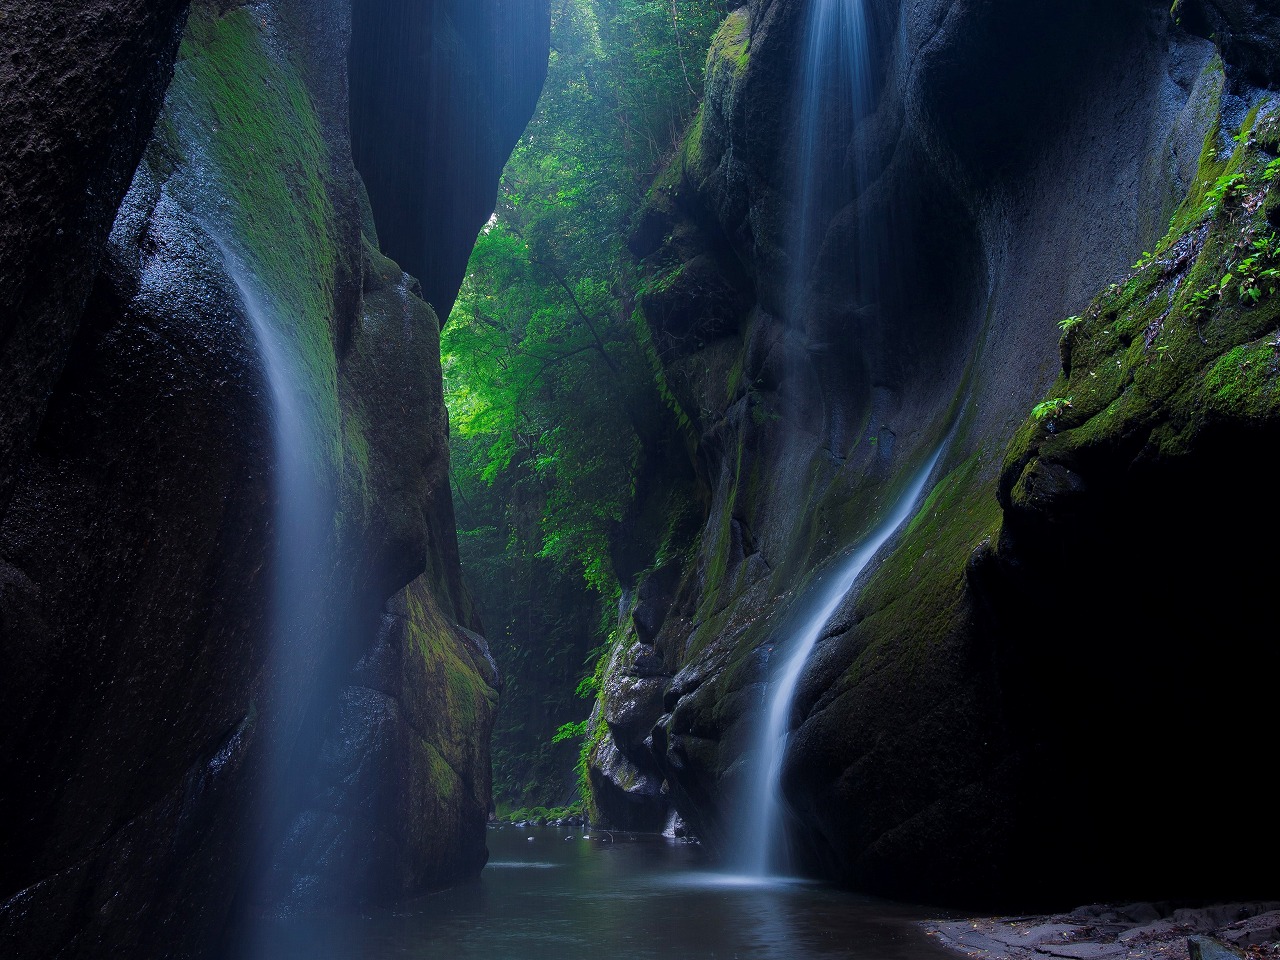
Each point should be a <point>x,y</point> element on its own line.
<point>639,897</point>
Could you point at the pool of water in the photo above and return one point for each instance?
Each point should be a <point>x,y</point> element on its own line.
<point>551,893</point>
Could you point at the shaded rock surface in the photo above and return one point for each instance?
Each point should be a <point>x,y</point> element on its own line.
<point>399,799</point>
<point>440,93</point>
<point>973,705</point>
<point>1140,931</point>
<point>82,84</point>
<point>143,711</point>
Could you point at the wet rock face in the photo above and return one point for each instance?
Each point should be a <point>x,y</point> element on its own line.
<point>1246,30</point>
<point>142,715</point>
<point>410,138</point>
<point>82,85</point>
<point>626,784</point>
<point>134,607</point>
<point>1010,180</point>
<point>398,801</point>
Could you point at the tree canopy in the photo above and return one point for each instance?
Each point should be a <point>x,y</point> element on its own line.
<point>548,371</point>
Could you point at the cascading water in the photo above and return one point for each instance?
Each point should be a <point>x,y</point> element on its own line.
<point>300,611</point>
<point>833,92</point>
<point>765,850</point>
<point>303,509</point>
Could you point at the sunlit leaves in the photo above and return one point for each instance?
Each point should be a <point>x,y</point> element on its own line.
<point>545,376</point>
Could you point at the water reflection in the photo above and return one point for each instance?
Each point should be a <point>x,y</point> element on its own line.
<point>639,897</point>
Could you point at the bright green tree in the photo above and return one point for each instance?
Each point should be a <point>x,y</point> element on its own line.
<point>548,374</point>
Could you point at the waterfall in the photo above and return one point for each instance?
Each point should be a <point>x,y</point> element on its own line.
<point>763,834</point>
<point>833,91</point>
<point>300,610</point>
<point>303,507</point>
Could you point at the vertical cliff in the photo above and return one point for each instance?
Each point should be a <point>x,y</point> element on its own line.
<point>966,728</point>
<point>82,87</point>
<point>169,756</point>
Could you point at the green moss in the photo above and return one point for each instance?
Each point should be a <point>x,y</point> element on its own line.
<point>1243,383</point>
<point>912,603</point>
<point>464,696</point>
<point>731,46</point>
<point>357,472</point>
<point>1190,339</point>
<point>243,120</point>
<point>692,154</point>
<point>523,814</point>
<point>734,380</point>
<point>448,786</point>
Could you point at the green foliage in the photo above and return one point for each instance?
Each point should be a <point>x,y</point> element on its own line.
<point>1071,322</point>
<point>570,731</point>
<point>1187,348</point>
<point>1256,277</point>
<point>1051,408</point>
<point>554,393</point>
<point>1223,189</point>
<point>538,814</point>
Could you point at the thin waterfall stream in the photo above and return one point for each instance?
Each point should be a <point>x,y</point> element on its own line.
<point>300,611</point>
<point>765,853</point>
<point>302,507</point>
<point>833,91</point>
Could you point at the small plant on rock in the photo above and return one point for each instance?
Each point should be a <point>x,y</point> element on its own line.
<point>1257,279</point>
<point>1050,409</point>
<point>1223,189</point>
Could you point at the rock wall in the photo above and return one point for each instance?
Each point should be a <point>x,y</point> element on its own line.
<point>440,92</point>
<point>82,86</point>
<point>145,711</point>
<point>973,721</point>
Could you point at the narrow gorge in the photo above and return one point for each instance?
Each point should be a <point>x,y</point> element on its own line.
<point>552,478</point>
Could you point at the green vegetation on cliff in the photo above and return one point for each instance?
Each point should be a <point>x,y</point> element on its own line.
<point>260,142</point>
<point>1187,343</point>
<point>557,408</point>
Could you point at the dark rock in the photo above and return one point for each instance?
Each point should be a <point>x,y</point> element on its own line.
<point>142,720</point>
<point>1207,948</point>
<point>397,803</point>
<point>1259,929</point>
<point>1083,951</point>
<point>1140,912</point>
<point>409,137</point>
<point>136,599</point>
<point>626,797</point>
<point>935,735</point>
<point>1247,32</point>
<point>82,88</point>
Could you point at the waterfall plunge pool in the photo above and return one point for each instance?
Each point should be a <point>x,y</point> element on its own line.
<point>635,897</point>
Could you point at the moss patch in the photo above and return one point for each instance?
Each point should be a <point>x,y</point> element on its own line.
<point>241,116</point>
<point>731,46</point>
<point>913,601</point>
<point>1188,340</point>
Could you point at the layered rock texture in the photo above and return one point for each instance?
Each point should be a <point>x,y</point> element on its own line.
<point>1018,701</point>
<point>173,756</point>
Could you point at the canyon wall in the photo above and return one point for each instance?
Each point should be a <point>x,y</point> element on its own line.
<point>173,757</point>
<point>1013,702</point>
